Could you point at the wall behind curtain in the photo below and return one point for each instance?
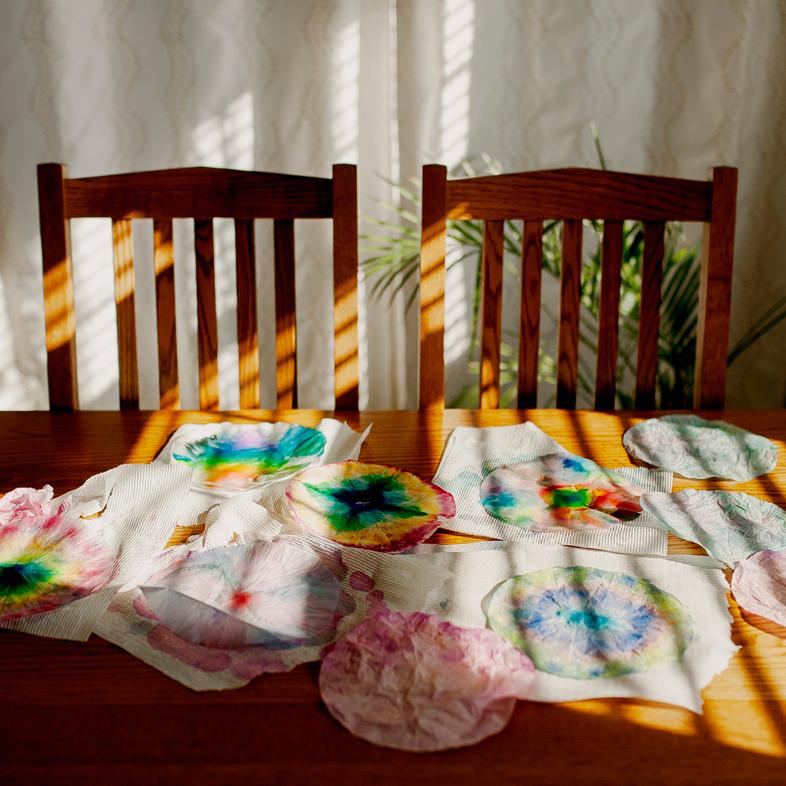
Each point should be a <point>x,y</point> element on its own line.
<point>116,85</point>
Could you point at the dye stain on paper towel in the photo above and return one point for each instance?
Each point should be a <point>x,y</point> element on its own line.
<point>47,557</point>
<point>240,455</point>
<point>559,491</point>
<point>370,506</point>
<point>244,663</point>
<point>587,623</point>
<point>274,595</point>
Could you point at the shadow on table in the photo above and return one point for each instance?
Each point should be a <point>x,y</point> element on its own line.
<point>216,738</point>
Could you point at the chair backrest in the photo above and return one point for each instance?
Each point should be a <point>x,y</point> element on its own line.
<point>201,193</point>
<point>572,195</point>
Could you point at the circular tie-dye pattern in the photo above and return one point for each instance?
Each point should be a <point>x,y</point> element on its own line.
<point>559,491</point>
<point>370,506</point>
<point>416,682</point>
<point>48,558</point>
<point>697,448</point>
<point>271,594</point>
<point>238,456</point>
<point>587,623</point>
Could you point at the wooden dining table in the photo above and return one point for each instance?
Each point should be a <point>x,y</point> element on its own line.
<point>90,713</point>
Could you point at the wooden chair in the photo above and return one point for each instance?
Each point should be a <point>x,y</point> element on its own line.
<point>200,193</point>
<point>573,195</point>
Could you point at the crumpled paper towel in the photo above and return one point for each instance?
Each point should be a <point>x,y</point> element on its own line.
<point>472,453</point>
<point>457,583</point>
<point>132,625</point>
<point>139,505</point>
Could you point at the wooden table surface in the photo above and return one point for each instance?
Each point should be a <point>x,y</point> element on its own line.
<point>90,713</point>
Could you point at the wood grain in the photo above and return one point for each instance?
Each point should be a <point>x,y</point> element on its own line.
<point>286,343</point>
<point>247,333</point>
<point>164,264</point>
<point>578,194</point>
<point>346,351</point>
<point>491,313</point>
<point>131,717</point>
<point>199,192</point>
<point>712,344</point>
<point>123,256</point>
<point>59,313</point>
<point>649,323</point>
<point>608,318</point>
<point>529,339</point>
<point>568,338</point>
<point>207,325</point>
<point>432,287</point>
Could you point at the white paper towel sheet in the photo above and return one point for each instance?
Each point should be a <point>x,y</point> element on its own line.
<point>473,452</point>
<point>452,582</point>
<point>129,624</point>
<point>139,505</point>
<point>456,583</point>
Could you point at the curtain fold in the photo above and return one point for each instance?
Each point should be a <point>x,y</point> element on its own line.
<point>105,86</point>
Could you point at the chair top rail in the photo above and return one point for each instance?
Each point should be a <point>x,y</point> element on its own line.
<point>574,193</point>
<point>198,192</point>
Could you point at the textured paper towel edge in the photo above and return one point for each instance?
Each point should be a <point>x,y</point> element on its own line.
<point>143,504</point>
<point>474,573</point>
<point>519,442</point>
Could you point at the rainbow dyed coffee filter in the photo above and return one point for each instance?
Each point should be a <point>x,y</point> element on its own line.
<point>273,594</point>
<point>240,456</point>
<point>587,623</point>
<point>48,556</point>
<point>88,544</point>
<point>697,448</point>
<point>130,623</point>
<point>676,608</point>
<point>369,506</point>
<point>600,515</point>
<point>559,491</point>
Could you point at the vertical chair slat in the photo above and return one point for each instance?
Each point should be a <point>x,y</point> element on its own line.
<point>164,264</point>
<point>247,338</point>
<point>712,341</point>
<point>491,326</point>
<point>286,341</point>
<point>432,287</point>
<point>529,340</point>
<point>570,284</point>
<point>207,328</point>
<point>649,325</point>
<point>608,322</point>
<point>345,286</point>
<point>59,313</point>
<point>122,244</point>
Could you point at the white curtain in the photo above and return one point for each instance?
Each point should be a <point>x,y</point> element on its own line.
<point>106,86</point>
